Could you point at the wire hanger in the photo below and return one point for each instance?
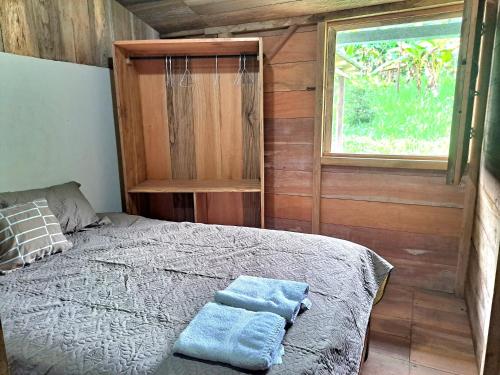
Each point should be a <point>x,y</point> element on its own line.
<point>216,75</point>
<point>243,77</point>
<point>168,70</point>
<point>186,79</point>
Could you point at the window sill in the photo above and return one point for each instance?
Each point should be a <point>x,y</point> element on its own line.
<point>385,161</point>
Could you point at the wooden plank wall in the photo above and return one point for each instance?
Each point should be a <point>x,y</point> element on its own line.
<point>410,217</point>
<point>482,286</point>
<point>78,31</point>
<point>479,287</point>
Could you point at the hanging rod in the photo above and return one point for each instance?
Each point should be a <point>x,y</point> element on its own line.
<point>189,57</point>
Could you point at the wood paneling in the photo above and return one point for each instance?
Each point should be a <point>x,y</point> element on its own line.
<point>296,131</point>
<point>482,284</point>
<point>400,217</point>
<point>297,157</point>
<point>18,33</point>
<point>412,218</point>
<point>288,224</point>
<point>290,76</point>
<point>292,207</point>
<point>390,187</point>
<point>151,76</point>
<point>289,104</point>
<point>75,31</point>
<point>288,182</point>
<point>299,48</point>
<point>180,114</point>
<point>177,15</point>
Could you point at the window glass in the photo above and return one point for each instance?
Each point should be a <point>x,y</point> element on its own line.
<point>394,88</point>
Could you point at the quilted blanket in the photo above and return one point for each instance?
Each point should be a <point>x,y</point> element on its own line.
<point>116,302</point>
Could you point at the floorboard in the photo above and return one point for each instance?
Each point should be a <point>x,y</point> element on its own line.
<point>419,332</point>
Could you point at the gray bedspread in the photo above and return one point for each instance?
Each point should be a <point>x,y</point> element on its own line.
<point>117,301</point>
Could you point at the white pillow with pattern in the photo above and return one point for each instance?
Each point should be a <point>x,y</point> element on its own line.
<point>28,232</point>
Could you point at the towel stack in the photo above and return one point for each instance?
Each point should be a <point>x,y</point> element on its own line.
<point>246,324</point>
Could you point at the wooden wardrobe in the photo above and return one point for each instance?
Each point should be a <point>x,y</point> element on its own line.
<point>190,117</point>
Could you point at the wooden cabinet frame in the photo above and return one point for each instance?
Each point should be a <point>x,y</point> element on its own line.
<point>194,150</point>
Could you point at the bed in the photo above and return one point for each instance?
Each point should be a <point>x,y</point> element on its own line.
<point>116,302</point>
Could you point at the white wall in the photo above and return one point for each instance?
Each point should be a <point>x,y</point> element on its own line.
<point>57,125</point>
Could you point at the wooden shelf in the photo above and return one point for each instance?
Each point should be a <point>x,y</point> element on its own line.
<point>196,186</point>
<point>189,47</point>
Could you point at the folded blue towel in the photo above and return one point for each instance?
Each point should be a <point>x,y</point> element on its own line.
<point>245,339</point>
<point>282,297</point>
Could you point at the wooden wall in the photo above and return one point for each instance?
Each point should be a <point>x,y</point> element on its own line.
<point>78,31</point>
<point>410,217</point>
<point>482,287</point>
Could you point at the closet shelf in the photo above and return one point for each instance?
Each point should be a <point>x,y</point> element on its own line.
<point>196,186</point>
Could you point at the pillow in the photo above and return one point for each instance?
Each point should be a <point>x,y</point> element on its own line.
<point>28,232</point>
<point>66,201</point>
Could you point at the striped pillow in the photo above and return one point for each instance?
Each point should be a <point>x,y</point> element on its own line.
<point>28,232</point>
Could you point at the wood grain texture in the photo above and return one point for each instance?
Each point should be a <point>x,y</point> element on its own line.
<point>390,187</point>
<point>195,186</point>
<point>300,47</point>
<point>319,109</point>
<point>170,16</point>
<point>181,126</point>
<point>170,207</point>
<point>100,29</point>
<point>413,6</point>
<point>289,104</point>
<point>296,157</point>
<point>130,129</point>
<point>207,121</point>
<point>4,365</point>
<point>292,207</point>
<point>231,123</point>
<point>296,76</point>
<point>201,122</point>
<point>152,88</point>
<point>251,116</point>
<point>288,182</point>
<point>225,208</point>
<point>482,284</point>
<point>18,34</point>
<point>478,124</point>
<point>288,131</point>
<point>288,224</point>
<point>47,28</point>
<point>74,31</point>
<point>121,21</point>
<point>462,111</point>
<point>420,260</point>
<point>407,218</point>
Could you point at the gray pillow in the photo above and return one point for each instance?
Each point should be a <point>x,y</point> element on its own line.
<point>66,201</point>
<point>28,232</point>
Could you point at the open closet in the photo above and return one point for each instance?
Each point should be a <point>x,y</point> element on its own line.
<point>191,129</point>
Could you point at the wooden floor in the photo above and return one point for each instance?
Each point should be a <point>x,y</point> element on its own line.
<point>417,332</point>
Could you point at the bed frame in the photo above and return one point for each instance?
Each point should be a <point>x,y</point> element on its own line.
<point>4,366</point>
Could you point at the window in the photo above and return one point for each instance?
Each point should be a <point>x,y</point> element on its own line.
<point>390,92</point>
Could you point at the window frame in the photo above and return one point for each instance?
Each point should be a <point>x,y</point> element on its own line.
<point>372,160</point>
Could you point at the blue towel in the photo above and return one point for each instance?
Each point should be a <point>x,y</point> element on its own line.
<point>282,297</point>
<point>245,339</point>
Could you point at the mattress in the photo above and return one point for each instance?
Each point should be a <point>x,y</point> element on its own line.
<point>116,302</point>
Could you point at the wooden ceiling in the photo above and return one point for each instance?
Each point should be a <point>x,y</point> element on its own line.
<point>168,16</point>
